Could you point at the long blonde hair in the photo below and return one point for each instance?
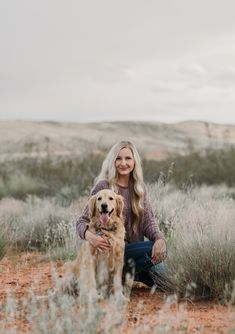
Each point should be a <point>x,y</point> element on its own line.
<point>109,173</point>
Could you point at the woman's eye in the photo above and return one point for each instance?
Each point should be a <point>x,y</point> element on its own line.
<point>111,198</point>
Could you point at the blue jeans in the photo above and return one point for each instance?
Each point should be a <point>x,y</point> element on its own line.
<point>138,264</point>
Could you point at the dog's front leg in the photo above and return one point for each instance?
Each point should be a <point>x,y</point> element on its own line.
<point>117,284</point>
<point>87,284</point>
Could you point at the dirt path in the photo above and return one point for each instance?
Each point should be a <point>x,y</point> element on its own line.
<point>145,312</point>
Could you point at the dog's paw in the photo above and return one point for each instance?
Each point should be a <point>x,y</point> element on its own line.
<point>120,299</point>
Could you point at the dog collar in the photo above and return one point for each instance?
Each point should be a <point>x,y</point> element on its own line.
<point>101,229</point>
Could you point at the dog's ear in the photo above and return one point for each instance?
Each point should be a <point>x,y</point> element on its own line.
<point>120,205</point>
<point>92,206</point>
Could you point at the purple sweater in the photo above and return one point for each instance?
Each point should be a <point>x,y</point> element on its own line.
<point>148,226</point>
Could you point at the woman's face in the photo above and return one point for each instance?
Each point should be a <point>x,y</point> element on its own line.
<point>125,162</point>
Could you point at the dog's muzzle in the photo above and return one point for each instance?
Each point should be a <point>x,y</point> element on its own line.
<point>105,214</point>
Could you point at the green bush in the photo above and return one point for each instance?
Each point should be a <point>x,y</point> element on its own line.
<point>63,253</point>
<point>19,185</point>
<point>64,178</point>
<point>68,178</point>
<point>3,244</point>
<point>209,167</point>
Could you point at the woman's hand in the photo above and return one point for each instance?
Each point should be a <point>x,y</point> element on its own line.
<point>158,251</point>
<point>98,242</point>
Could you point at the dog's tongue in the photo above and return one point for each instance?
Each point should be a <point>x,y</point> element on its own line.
<point>104,218</point>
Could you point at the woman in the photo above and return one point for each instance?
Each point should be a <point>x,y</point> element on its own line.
<point>122,172</point>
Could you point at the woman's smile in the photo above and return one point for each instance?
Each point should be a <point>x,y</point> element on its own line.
<point>125,162</point>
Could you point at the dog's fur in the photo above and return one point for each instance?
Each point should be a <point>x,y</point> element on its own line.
<point>94,270</point>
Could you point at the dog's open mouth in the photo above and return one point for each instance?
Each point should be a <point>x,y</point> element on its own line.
<point>104,216</point>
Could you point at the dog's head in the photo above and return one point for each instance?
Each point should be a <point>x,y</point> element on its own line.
<point>106,204</point>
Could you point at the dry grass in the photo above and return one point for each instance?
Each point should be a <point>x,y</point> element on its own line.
<point>36,223</point>
<point>200,228</point>
<point>199,225</point>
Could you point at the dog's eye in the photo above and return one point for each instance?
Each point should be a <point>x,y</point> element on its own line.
<point>99,198</point>
<point>111,198</point>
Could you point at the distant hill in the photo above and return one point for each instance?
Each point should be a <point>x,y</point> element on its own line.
<point>154,140</point>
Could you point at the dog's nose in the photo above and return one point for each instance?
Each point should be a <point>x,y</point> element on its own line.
<point>104,207</point>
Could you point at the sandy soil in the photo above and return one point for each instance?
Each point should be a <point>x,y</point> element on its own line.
<point>146,312</point>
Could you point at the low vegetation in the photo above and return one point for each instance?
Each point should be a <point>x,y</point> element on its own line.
<point>63,178</point>
<point>198,224</point>
<point>2,247</point>
<point>66,179</point>
<point>36,224</point>
<point>193,201</point>
<point>210,167</point>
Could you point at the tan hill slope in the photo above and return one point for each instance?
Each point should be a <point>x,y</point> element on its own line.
<point>154,140</point>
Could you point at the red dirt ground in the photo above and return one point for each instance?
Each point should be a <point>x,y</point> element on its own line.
<point>22,272</point>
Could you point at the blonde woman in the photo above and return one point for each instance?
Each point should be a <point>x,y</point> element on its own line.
<point>122,172</point>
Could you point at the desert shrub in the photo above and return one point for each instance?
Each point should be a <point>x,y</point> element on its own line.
<point>3,244</point>
<point>198,224</point>
<point>67,194</point>
<point>66,178</point>
<point>210,167</point>
<point>65,314</point>
<point>19,185</point>
<point>67,252</point>
<point>3,190</point>
<point>36,223</point>
<point>201,238</point>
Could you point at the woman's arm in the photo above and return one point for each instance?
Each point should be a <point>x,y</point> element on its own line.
<point>152,232</point>
<point>150,226</point>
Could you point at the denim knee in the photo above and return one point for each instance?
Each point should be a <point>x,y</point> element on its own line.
<point>158,269</point>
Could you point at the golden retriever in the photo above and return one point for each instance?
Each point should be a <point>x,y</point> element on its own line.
<point>99,272</point>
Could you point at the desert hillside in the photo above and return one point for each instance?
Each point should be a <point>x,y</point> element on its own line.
<point>154,140</point>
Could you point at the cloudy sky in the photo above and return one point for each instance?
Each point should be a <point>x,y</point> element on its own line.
<point>100,60</point>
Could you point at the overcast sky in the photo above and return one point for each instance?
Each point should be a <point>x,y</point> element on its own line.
<point>101,60</point>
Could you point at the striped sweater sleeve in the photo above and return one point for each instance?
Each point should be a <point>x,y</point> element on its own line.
<point>150,227</point>
<point>83,221</point>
